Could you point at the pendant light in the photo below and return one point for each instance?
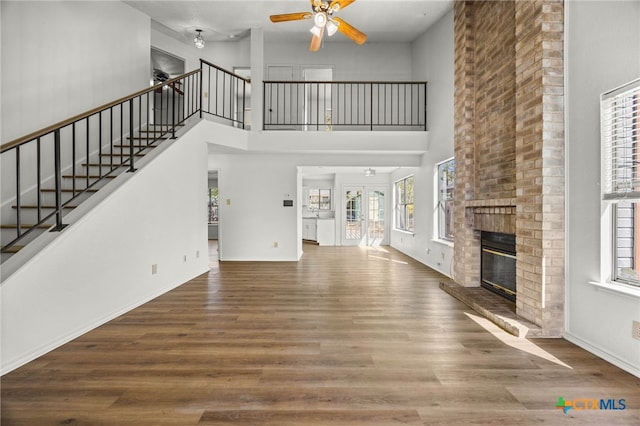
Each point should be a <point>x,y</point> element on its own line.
<point>199,41</point>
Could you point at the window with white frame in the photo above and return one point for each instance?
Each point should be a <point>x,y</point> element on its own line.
<point>404,204</point>
<point>620,126</point>
<point>446,179</point>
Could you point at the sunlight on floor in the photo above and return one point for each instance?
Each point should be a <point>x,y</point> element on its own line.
<point>515,342</point>
<point>389,260</point>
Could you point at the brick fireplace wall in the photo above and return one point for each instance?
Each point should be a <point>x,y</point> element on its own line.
<point>509,146</point>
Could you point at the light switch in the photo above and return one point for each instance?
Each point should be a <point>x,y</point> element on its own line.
<point>228,201</point>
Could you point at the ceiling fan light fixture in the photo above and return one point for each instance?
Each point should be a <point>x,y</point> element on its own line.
<point>315,31</point>
<point>370,172</point>
<point>199,41</point>
<point>332,27</point>
<point>320,19</point>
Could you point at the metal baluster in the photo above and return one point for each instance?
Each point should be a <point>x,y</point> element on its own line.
<point>39,180</point>
<point>244,96</point>
<point>18,198</point>
<point>58,181</point>
<point>131,140</point>
<point>173,114</point>
<point>88,168</point>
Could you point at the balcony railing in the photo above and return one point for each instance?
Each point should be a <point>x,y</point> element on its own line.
<point>345,105</point>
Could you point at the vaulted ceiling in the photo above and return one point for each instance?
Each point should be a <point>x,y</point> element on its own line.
<point>220,20</point>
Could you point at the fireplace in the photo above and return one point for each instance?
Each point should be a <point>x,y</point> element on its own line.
<point>498,263</point>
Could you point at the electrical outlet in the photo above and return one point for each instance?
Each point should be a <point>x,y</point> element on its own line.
<point>275,244</point>
<point>154,269</point>
<point>636,330</point>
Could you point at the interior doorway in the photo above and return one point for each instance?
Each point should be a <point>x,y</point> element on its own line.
<point>317,96</point>
<point>213,223</point>
<point>364,215</point>
<point>167,100</point>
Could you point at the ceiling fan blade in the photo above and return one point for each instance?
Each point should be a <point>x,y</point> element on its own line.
<point>290,17</point>
<point>350,31</point>
<point>316,41</point>
<point>340,3</point>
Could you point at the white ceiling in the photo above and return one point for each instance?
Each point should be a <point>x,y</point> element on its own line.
<point>220,20</point>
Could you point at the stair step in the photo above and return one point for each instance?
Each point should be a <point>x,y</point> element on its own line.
<point>105,165</point>
<point>90,176</point>
<point>123,154</point>
<point>151,131</point>
<point>26,226</point>
<point>166,125</point>
<point>70,190</point>
<point>30,206</point>
<point>150,138</point>
<point>12,249</point>
<point>136,146</point>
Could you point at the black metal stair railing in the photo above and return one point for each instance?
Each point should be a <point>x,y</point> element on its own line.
<point>46,173</point>
<point>224,94</point>
<point>345,105</point>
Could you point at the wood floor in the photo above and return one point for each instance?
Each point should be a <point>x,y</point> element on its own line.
<point>347,336</point>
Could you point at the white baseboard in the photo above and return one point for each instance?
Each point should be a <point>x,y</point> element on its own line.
<point>602,353</point>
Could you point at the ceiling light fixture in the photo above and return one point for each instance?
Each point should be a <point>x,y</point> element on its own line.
<point>331,28</point>
<point>199,41</point>
<point>369,172</point>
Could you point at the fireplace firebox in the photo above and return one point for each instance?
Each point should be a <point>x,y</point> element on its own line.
<point>498,263</point>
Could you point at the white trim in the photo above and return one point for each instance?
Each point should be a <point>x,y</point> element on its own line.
<point>618,289</point>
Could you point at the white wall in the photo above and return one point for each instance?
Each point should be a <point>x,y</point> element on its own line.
<point>228,54</point>
<point>432,61</point>
<point>53,53</point>
<point>101,266</point>
<point>371,61</point>
<point>603,52</point>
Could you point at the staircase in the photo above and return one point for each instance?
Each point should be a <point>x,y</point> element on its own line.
<point>49,173</point>
<point>36,214</point>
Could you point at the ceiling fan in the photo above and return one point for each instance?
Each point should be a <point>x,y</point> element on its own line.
<point>322,12</point>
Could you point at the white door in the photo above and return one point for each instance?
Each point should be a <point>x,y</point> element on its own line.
<point>317,98</point>
<point>364,216</point>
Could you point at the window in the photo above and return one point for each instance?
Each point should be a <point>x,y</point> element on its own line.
<point>404,204</point>
<point>213,205</point>
<point>446,179</point>
<point>319,199</point>
<point>620,123</point>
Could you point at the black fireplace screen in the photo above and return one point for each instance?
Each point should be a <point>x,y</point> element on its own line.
<point>498,263</point>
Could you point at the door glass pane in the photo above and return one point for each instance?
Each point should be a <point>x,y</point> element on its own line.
<point>376,218</point>
<point>353,206</point>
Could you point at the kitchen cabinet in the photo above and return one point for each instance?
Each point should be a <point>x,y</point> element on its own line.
<point>326,232</point>
<point>309,229</point>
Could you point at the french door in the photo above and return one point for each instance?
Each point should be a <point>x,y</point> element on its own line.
<point>364,216</point>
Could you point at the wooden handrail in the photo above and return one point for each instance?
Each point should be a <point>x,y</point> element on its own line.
<point>24,139</point>
<point>247,80</point>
